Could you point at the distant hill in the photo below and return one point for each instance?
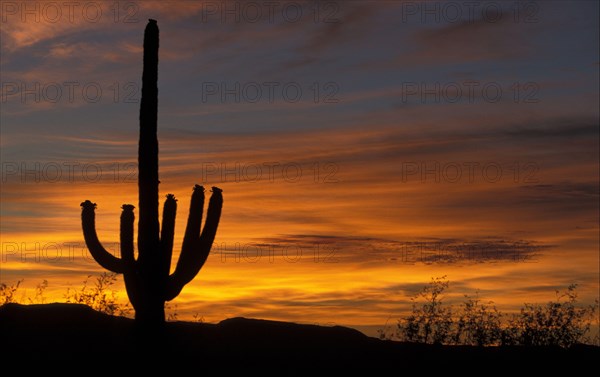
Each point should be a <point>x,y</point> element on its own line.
<point>69,336</point>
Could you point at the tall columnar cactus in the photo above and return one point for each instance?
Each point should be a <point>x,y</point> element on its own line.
<point>147,279</point>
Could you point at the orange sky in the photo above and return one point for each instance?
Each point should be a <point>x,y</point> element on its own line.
<point>506,191</point>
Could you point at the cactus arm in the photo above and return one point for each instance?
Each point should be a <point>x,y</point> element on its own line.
<point>192,229</point>
<point>213,216</point>
<point>127,254</point>
<point>103,257</point>
<point>195,249</point>
<point>127,220</point>
<point>167,233</point>
<point>148,232</point>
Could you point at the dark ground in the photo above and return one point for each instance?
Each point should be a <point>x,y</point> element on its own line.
<point>68,337</point>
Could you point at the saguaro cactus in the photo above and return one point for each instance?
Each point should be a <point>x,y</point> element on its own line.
<point>147,279</point>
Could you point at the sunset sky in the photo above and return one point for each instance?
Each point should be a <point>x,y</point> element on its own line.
<point>362,148</point>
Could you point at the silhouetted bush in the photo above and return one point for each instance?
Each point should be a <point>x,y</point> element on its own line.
<point>556,323</point>
<point>430,321</point>
<point>559,323</point>
<point>39,297</point>
<point>100,297</point>
<point>7,292</point>
<point>478,324</point>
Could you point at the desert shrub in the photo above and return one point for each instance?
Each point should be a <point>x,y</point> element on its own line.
<point>478,324</point>
<point>557,323</point>
<point>100,297</point>
<point>388,332</point>
<point>171,312</point>
<point>8,292</point>
<point>430,321</point>
<point>39,297</point>
<point>562,322</point>
<point>595,312</point>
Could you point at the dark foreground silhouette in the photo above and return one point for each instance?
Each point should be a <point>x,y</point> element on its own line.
<point>68,335</point>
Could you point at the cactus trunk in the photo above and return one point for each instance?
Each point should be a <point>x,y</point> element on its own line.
<point>148,280</point>
<point>148,148</point>
<point>148,238</point>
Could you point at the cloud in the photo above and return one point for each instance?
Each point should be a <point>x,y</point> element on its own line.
<point>348,249</point>
<point>579,199</point>
<point>27,24</point>
<point>559,128</point>
<point>468,41</point>
<point>348,23</point>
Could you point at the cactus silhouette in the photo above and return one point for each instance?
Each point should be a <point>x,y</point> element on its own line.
<point>148,279</point>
